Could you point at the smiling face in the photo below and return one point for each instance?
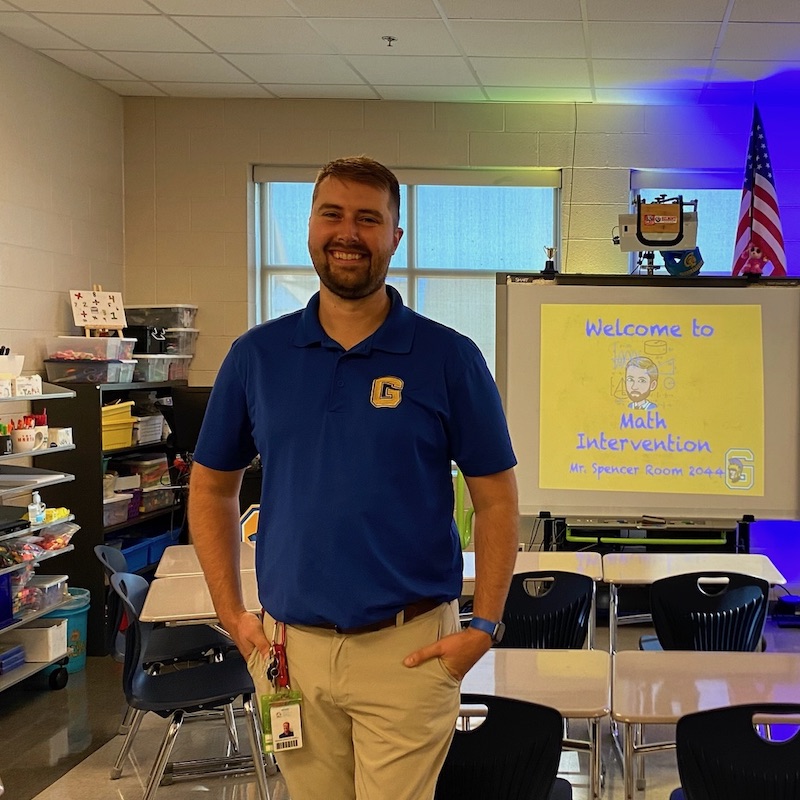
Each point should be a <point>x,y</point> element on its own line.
<point>638,383</point>
<point>352,237</point>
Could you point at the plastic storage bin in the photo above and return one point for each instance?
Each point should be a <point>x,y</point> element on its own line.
<point>180,341</point>
<point>151,368</point>
<point>149,339</point>
<point>43,639</point>
<point>136,552</point>
<point>153,499</point>
<point>52,587</point>
<point>89,371</point>
<point>179,367</point>
<point>162,316</point>
<point>116,412</point>
<point>150,469</point>
<point>85,348</point>
<point>115,509</point>
<point>118,435</point>
<point>76,612</point>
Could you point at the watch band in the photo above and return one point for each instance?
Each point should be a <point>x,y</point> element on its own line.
<point>494,629</point>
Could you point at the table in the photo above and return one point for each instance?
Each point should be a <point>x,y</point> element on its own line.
<point>185,599</point>
<point>575,682</point>
<point>632,569</point>
<point>583,563</point>
<point>181,559</point>
<point>660,687</point>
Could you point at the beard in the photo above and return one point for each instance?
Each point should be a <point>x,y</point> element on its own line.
<point>351,284</point>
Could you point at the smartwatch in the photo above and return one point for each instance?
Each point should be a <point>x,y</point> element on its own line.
<point>494,629</point>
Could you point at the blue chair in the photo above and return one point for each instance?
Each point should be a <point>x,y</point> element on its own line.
<point>513,754</point>
<point>722,756</point>
<point>174,694</point>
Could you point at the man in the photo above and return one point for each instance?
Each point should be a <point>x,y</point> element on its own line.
<point>641,379</point>
<point>357,406</point>
<point>287,732</point>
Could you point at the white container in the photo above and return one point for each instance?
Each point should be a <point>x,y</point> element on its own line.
<point>43,639</point>
<point>115,509</point>
<point>52,587</point>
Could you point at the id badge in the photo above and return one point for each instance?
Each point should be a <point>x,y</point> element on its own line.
<point>281,722</point>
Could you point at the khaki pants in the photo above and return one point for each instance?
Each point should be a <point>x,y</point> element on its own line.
<point>373,729</point>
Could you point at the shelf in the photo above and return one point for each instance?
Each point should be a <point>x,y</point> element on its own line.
<point>49,392</point>
<point>25,671</point>
<point>33,529</point>
<point>32,615</point>
<point>129,523</point>
<point>34,453</point>
<point>34,561</point>
<point>134,448</point>
<point>26,479</point>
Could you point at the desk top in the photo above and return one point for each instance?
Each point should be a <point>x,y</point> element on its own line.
<point>185,598</point>
<point>576,682</point>
<point>584,563</point>
<point>181,559</point>
<point>660,687</point>
<point>644,568</point>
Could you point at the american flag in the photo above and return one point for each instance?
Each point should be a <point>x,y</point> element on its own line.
<point>759,238</point>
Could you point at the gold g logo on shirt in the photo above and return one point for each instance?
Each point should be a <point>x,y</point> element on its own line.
<point>387,392</point>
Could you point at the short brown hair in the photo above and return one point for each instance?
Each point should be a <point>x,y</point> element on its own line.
<point>362,169</point>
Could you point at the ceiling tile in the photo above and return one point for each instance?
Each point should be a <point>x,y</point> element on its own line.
<point>609,73</point>
<point>686,10</point>
<point>751,70</point>
<point>89,64</point>
<point>414,37</point>
<point>188,89</point>
<point>413,70</point>
<point>192,67</point>
<point>295,69</point>
<point>432,94</point>
<point>646,41</point>
<point>31,32</point>
<point>761,41</point>
<point>364,9</point>
<point>656,96</point>
<point>507,94</point>
<point>316,91</point>
<point>132,88</point>
<point>6,7</point>
<point>251,35</point>
<point>774,11</point>
<point>227,8</point>
<point>124,32</point>
<point>88,6</point>
<point>523,39</point>
<point>531,71</point>
<point>512,9</point>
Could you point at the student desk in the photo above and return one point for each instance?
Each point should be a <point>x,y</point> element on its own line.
<point>583,563</point>
<point>576,682</point>
<point>660,687</point>
<point>635,569</point>
<point>181,559</point>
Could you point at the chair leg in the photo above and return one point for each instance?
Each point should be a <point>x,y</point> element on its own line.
<point>127,719</point>
<point>164,752</point>
<point>133,729</point>
<point>230,724</point>
<point>254,735</point>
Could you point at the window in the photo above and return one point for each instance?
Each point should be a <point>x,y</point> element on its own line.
<point>718,196</point>
<point>460,229</point>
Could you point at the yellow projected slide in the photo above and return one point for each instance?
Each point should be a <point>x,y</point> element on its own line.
<point>652,398</point>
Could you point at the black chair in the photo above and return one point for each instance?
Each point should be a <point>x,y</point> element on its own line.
<point>175,693</point>
<point>707,611</point>
<point>512,755</point>
<point>548,609</point>
<point>722,756</point>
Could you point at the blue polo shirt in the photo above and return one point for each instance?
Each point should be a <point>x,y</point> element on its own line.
<point>356,514</point>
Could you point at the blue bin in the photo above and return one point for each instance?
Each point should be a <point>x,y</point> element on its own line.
<point>76,612</point>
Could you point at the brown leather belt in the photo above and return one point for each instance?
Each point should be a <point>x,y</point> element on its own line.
<point>409,612</point>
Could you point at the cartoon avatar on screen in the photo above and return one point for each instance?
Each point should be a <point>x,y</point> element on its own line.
<point>641,379</point>
<point>735,470</point>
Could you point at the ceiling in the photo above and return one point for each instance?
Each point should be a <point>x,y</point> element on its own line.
<point>592,51</point>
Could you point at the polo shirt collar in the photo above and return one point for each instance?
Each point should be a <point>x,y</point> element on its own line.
<point>395,334</point>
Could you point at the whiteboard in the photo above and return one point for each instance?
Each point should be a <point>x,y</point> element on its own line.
<point>713,433</point>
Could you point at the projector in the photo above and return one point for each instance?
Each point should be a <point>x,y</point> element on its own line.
<point>629,243</point>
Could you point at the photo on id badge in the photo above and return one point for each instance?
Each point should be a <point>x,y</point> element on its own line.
<point>285,726</point>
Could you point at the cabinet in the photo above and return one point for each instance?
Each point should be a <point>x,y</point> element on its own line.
<point>17,481</point>
<point>85,496</point>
